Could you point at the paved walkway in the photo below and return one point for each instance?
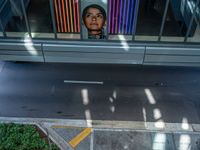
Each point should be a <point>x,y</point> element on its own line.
<point>116,135</point>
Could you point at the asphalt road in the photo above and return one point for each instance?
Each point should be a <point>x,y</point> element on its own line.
<point>101,92</point>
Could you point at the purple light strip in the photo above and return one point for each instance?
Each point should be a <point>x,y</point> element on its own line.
<point>109,17</point>
<point>113,16</point>
<point>124,16</point>
<point>117,16</point>
<point>127,16</point>
<point>120,15</point>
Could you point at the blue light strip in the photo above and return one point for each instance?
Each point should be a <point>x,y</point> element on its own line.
<point>120,16</point>
<point>127,17</point>
<point>124,17</point>
<point>131,17</point>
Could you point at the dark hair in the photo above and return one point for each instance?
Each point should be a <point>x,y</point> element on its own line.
<point>94,6</point>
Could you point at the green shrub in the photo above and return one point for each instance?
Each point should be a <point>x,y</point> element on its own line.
<point>22,137</point>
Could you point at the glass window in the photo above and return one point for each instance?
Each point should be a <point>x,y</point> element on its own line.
<point>121,19</point>
<point>195,37</point>
<point>13,19</point>
<point>67,18</point>
<point>194,33</point>
<point>1,28</point>
<point>177,21</point>
<point>149,20</point>
<point>39,17</point>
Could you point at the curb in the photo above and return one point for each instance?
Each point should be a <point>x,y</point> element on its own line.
<point>123,125</point>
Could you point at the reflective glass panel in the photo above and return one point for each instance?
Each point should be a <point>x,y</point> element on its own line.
<point>39,17</point>
<point>194,34</point>
<point>13,19</point>
<point>149,19</point>
<point>177,21</point>
<point>1,28</point>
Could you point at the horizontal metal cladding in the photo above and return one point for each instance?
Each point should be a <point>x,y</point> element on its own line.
<point>20,51</point>
<point>177,56</point>
<point>97,53</point>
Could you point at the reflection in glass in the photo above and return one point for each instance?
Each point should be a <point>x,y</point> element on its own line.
<point>67,18</point>
<point>39,17</point>
<point>194,33</point>
<point>178,21</point>
<point>196,36</point>
<point>13,19</point>
<point>150,15</point>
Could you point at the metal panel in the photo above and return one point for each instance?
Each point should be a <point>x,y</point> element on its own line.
<point>172,59</point>
<point>21,51</point>
<point>99,53</point>
<point>173,64</point>
<point>113,48</point>
<point>19,46</point>
<point>21,58</point>
<point>172,51</point>
<point>95,58</point>
<point>172,56</point>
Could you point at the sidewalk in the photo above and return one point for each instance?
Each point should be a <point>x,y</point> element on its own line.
<point>116,135</point>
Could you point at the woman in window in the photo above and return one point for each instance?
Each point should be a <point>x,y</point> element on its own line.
<point>94,18</point>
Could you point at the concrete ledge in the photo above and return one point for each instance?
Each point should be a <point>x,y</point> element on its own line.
<point>124,125</point>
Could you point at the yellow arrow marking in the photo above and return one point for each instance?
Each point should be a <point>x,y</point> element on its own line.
<point>76,140</point>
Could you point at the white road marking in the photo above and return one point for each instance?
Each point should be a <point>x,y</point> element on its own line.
<point>83,82</point>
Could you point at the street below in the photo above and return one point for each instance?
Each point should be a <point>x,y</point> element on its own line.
<point>100,92</point>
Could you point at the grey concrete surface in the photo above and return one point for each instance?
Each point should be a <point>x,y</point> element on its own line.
<point>69,133</point>
<point>38,90</point>
<point>108,137</point>
<point>123,139</point>
<point>187,141</point>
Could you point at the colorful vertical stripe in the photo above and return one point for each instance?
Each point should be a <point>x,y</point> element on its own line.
<point>78,15</point>
<point>121,16</point>
<point>67,16</point>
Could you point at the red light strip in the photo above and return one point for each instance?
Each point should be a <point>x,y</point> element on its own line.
<point>63,10</point>
<point>75,16</point>
<point>71,15</point>
<point>57,17</point>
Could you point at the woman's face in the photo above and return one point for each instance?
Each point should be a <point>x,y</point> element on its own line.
<point>94,20</point>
